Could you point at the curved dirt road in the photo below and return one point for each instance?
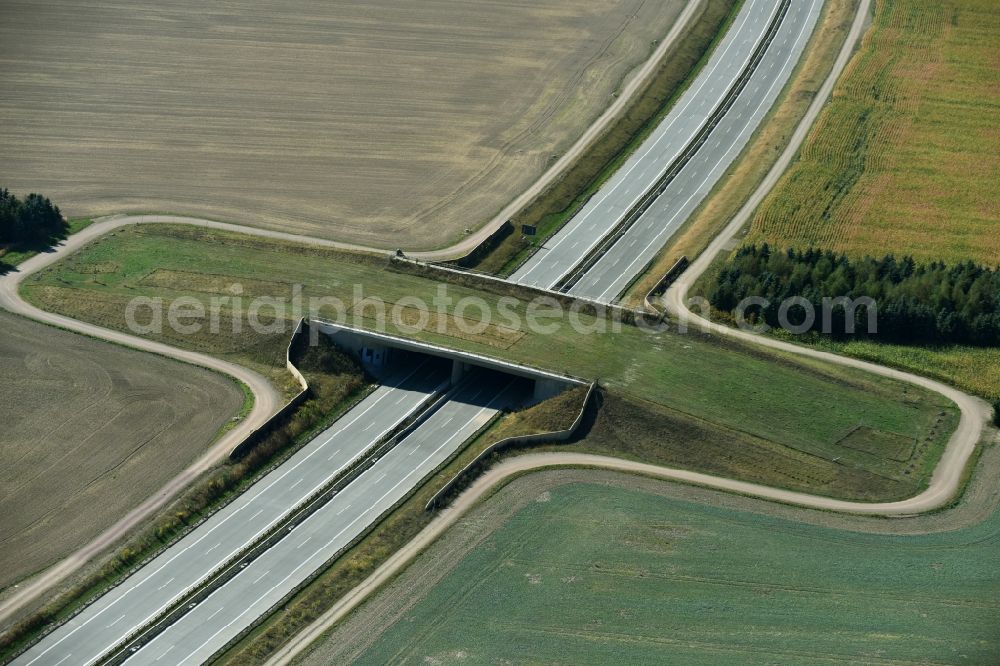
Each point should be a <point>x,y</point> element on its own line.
<point>266,402</point>
<point>947,476</point>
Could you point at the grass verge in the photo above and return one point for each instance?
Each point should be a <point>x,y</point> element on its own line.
<point>763,150</point>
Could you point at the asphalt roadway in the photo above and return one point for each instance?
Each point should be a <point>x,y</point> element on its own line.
<point>144,595</point>
<point>224,614</point>
<point>640,173</point>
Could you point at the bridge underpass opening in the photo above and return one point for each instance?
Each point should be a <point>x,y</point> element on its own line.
<point>382,354</point>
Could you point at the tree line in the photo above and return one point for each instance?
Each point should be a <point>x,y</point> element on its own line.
<point>29,222</point>
<point>916,303</point>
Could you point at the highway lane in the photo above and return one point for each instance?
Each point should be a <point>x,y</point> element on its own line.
<point>269,578</point>
<point>144,595</point>
<point>613,272</point>
<point>561,253</point>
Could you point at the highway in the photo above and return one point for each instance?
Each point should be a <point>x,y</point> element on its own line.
<point>144,595</point>
<point>225,613</point>
<point>765,73</point>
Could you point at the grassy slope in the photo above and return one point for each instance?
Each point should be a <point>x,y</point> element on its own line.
<point>762,395</point>
<point>598,575</point>
<point>903,159</point>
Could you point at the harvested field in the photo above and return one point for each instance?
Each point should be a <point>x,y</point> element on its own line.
<point>89,431</point>
<point>368,122</point>
<point>904,158</point>
<point>589,567</point>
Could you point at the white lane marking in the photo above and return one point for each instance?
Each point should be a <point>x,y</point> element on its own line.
<point>296,483</point>
<point>62,660</point>
<point>347,527</point>
<point>257,580</point>
<point>167,583</point>
<point>165,653</point>
<point>236,512</point>
<point>344,509</point>
<point>718,162</point>
<point>695,97</point>
<point>219,610</point>
<point>115,622</point>
<point>213,548</point>
<point>303,543</point>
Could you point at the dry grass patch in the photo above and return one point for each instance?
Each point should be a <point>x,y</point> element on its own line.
<point>904,158</point>
<point>381,122</point>
<point>89,431</point>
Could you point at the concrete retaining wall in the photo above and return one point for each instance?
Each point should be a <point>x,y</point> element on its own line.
<point>471,470</point>
<point>371,345</point>
<point>250,441</point>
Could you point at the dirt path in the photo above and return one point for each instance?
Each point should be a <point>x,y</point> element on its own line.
<point>266,402</point>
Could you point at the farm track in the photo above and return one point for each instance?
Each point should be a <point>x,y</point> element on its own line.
<point>946,481</point>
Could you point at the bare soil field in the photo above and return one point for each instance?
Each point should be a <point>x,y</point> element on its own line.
<point>366,122</point>
<point>89,431</point>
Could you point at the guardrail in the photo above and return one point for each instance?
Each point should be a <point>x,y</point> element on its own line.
<point>687,154</point>
<point>471,469</point>
<point>664,283</point>
<point>347,547</point>
<point>226,570</point>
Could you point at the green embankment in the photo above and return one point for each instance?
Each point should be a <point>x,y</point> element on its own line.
<point>805,407</point>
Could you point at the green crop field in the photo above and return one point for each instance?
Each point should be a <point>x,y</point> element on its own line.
<point>904,157</point>
<point>805,409</point>
<point>604,574</point>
